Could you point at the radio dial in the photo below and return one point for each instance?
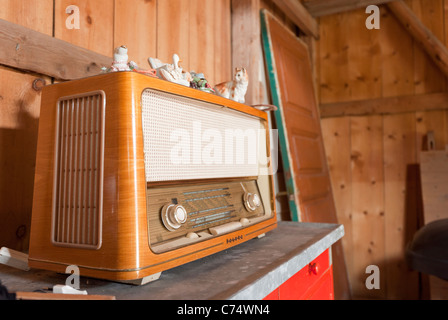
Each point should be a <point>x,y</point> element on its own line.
<point>252,201</point>
<point>174,216</point>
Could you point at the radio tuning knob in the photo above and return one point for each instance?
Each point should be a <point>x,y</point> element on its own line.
<point>251,201</point>
<point>174,216</point>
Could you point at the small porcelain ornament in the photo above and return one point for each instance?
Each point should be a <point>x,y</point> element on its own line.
<point>121,63</point>
<point>171,72</point>
<point>121,58</point>
<point>199,82</point>
<point>235,89</point>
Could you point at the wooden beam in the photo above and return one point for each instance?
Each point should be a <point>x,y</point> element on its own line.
<point>392,105</point>
<point>26,49</point>
<point>298,14</point>
<point>318,8</point>
<point>430,43</point>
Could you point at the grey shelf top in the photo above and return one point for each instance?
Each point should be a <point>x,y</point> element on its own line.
<point>248,271</point>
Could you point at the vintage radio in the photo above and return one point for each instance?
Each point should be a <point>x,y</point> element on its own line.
<point>136,175</point>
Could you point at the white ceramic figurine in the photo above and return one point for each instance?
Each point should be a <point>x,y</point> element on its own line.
<point>171,72</point>
<point>121,58</point>
<point>121,63</point>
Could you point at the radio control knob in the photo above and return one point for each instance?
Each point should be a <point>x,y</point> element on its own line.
<point>252,201</point>
<point>174,216</point>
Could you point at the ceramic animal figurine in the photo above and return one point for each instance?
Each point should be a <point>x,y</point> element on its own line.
<point>121,63</point>
<point>171,72</point>
<point>121,59</point>
<point>235,89</point>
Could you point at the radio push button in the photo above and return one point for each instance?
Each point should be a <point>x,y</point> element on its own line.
<point>173,216</point>
<point>251,201</point>
<point>192,235</point>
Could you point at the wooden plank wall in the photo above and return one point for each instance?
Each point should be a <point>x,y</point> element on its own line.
<point>374,159</point>
<point>19,114</point>
<point>199,31</point>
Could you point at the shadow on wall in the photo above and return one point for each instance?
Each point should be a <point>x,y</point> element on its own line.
<point>396,280</point>
<point>17,166</point>
<point>414,220</point>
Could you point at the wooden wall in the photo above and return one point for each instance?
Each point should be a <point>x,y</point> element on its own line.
<point>374,159</point>
<point>19,118</point>
<point>199,31</point>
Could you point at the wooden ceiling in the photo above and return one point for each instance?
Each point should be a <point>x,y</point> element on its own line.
<point>318,8</point>
<point>304,15</point>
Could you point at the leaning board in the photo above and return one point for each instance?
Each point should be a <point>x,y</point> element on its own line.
<point>434,177</point>
<point>301,143</point>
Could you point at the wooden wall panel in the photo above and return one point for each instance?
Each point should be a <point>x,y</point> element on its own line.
<point>401,221</point>
<point>223,42</point>
<point>200,32</point>
<point>19,118</point>
<point>246,32</point>
<point>96,30</point>
<point>427,76</point>
<point>19,113</point>
<point>173,32</point>
<point>363,78</point>
<point>333,62</point>
<point>337,133</point>
<point>388,159</point>
<point>140,36</point>
<point>37,15</point>
<point>202,44</point>
<point>395,66</point>
<point>368,206</point>
<point>445,22</point>
<point>397,56</point>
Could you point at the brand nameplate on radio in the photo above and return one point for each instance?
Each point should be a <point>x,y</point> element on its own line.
<point>234,239</point>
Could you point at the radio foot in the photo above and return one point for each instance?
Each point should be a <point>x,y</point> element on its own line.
<point>261,235</point>
<point>143,281</point>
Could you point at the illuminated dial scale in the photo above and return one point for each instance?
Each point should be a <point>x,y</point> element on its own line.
<point>175,215</point>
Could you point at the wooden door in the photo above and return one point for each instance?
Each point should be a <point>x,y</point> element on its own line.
<point>300,134</point>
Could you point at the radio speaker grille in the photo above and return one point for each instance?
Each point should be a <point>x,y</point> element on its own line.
<point>190,139</point>
<point>78,187</point>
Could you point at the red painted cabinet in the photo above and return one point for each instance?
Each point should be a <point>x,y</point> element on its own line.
<point>313,282</point>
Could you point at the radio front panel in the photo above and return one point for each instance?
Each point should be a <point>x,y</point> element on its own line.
<point>206,206</point>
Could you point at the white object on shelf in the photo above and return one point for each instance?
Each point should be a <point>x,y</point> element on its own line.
<point>67,290</point>
<point>15,259</point>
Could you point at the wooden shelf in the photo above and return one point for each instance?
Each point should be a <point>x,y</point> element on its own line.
<point>250,271</point>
